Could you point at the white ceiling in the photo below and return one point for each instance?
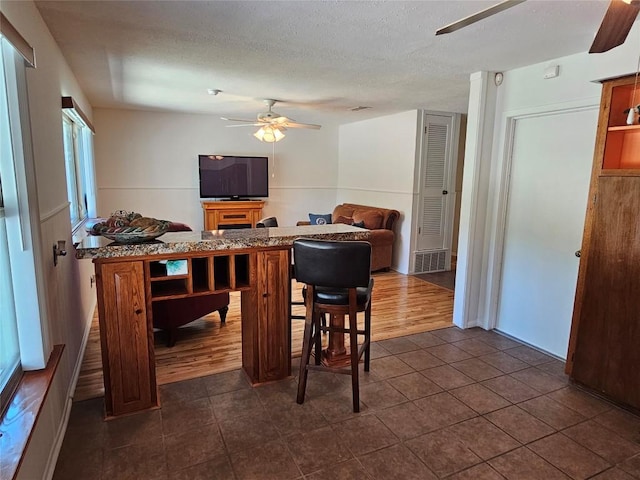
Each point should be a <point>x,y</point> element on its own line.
<point>319,58</point>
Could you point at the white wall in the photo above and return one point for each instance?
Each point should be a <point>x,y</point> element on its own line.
<point>148,162</point>
<point>377,161</point>
<point>70,300</point>
<point>523,92</point>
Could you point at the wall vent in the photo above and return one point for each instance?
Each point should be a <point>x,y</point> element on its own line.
<point>430,261</point>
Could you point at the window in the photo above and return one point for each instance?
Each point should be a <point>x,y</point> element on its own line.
<point>78,154</point>
<point>23,343</point>
<point>10,368</point>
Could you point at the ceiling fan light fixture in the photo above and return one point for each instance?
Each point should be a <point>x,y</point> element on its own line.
<point>269,134</point>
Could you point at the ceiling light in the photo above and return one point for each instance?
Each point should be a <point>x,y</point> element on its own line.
<point>269,134</point>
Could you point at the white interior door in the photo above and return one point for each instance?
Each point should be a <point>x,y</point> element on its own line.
<point>549,182</point>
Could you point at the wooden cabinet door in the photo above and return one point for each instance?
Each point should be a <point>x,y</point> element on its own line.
<point>607,346</point>
<point>128,359</point>
<point>266,346</point>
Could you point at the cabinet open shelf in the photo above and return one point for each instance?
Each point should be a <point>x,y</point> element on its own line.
<point>624,128</point>
<point>169,288</point>
<point>205,275</point>
<point>622,149</point>
<point>622,145</point>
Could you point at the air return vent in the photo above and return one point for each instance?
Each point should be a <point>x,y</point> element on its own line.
<point>430,261</point>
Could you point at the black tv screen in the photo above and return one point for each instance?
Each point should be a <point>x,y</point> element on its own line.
<point>233,176</point>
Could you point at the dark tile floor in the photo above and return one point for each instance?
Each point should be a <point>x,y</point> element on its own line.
<point>458,404</point>
<point>443,279</point>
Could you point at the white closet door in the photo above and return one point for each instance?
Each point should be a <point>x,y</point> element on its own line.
<point>435,204</point>
<point>550,171</point>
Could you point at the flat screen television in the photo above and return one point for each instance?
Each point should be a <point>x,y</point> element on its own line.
<point>234,177</point>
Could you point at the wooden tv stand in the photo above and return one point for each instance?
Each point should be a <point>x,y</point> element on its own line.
<point>232,214</point>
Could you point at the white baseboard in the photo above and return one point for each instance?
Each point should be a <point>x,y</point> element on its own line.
<point>58,440</point>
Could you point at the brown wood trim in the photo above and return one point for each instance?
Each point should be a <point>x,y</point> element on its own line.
<point>620,172</point>
<point>17,40</point>
<point>23,412</point>
<point>69,102</point>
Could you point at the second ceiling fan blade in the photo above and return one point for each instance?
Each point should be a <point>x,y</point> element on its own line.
<point>487,12</point>
<point>615,26</point>
<point>302,125</point>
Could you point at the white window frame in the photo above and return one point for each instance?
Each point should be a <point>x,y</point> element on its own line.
<point>78,152</point>
<point>22,219</point>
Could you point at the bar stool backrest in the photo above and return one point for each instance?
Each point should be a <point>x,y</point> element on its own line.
<point>267,222</point>
<point>329,263</point>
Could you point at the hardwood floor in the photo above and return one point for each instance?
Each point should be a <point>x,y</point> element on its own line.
<point>402,305</point>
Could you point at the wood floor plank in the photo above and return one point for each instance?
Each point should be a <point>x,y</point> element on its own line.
<point>402,305</point>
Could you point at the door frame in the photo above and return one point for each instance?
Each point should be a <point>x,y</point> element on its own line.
<point>496,247</point>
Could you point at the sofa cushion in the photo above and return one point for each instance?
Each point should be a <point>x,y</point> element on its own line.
<point>320,219</point>
<point>342,211</point>
<point>178,227</point>
<point>348,221</point>
<point>372,218</point>
<point>345,220</point>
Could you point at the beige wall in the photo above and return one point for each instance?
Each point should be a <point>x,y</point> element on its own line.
<point>70,299</point>
<point>148,162</point>
<point>376,167</point>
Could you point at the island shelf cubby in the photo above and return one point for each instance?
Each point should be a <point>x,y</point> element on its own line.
<point>204,275</point>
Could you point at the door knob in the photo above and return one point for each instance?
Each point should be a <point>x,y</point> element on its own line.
<point>445,192</point>
<point>578,253</point>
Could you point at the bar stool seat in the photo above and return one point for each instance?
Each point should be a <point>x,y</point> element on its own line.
<point>338,296</point>
<point>338,282</point>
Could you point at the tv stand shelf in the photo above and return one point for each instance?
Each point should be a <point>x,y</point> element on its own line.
<point>232,214</point>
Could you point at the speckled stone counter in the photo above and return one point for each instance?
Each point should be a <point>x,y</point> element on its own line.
<point>185,242</point>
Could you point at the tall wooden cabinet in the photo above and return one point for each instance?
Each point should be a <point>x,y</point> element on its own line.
<point>604,347</point>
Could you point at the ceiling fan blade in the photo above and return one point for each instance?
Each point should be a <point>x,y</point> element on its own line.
<point>237,120</point>
<point>246,125</point>
<point>615,25</point>
<point>487,12</point>
<point>302,125</point>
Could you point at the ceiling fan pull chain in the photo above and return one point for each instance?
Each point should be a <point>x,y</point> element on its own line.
<point>273,160</point>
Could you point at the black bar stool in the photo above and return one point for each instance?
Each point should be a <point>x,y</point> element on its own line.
<point>338,281</point>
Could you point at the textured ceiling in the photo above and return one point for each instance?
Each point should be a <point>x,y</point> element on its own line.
<point>319,58</point>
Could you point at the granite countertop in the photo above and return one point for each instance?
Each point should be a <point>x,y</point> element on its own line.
<point>235,239</point>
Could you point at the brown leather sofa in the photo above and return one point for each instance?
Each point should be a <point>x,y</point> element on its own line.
<point>379,220</point>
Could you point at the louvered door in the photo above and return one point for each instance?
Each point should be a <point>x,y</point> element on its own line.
<point>435,216</point>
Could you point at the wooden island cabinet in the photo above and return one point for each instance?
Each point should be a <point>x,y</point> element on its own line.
<point>129,278</point>
<point>604,346</point>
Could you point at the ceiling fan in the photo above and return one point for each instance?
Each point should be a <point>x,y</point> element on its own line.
<point>613,30</point>
<point>272,125</point>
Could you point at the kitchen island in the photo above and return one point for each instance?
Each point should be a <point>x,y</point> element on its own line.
<point>130,277</point>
